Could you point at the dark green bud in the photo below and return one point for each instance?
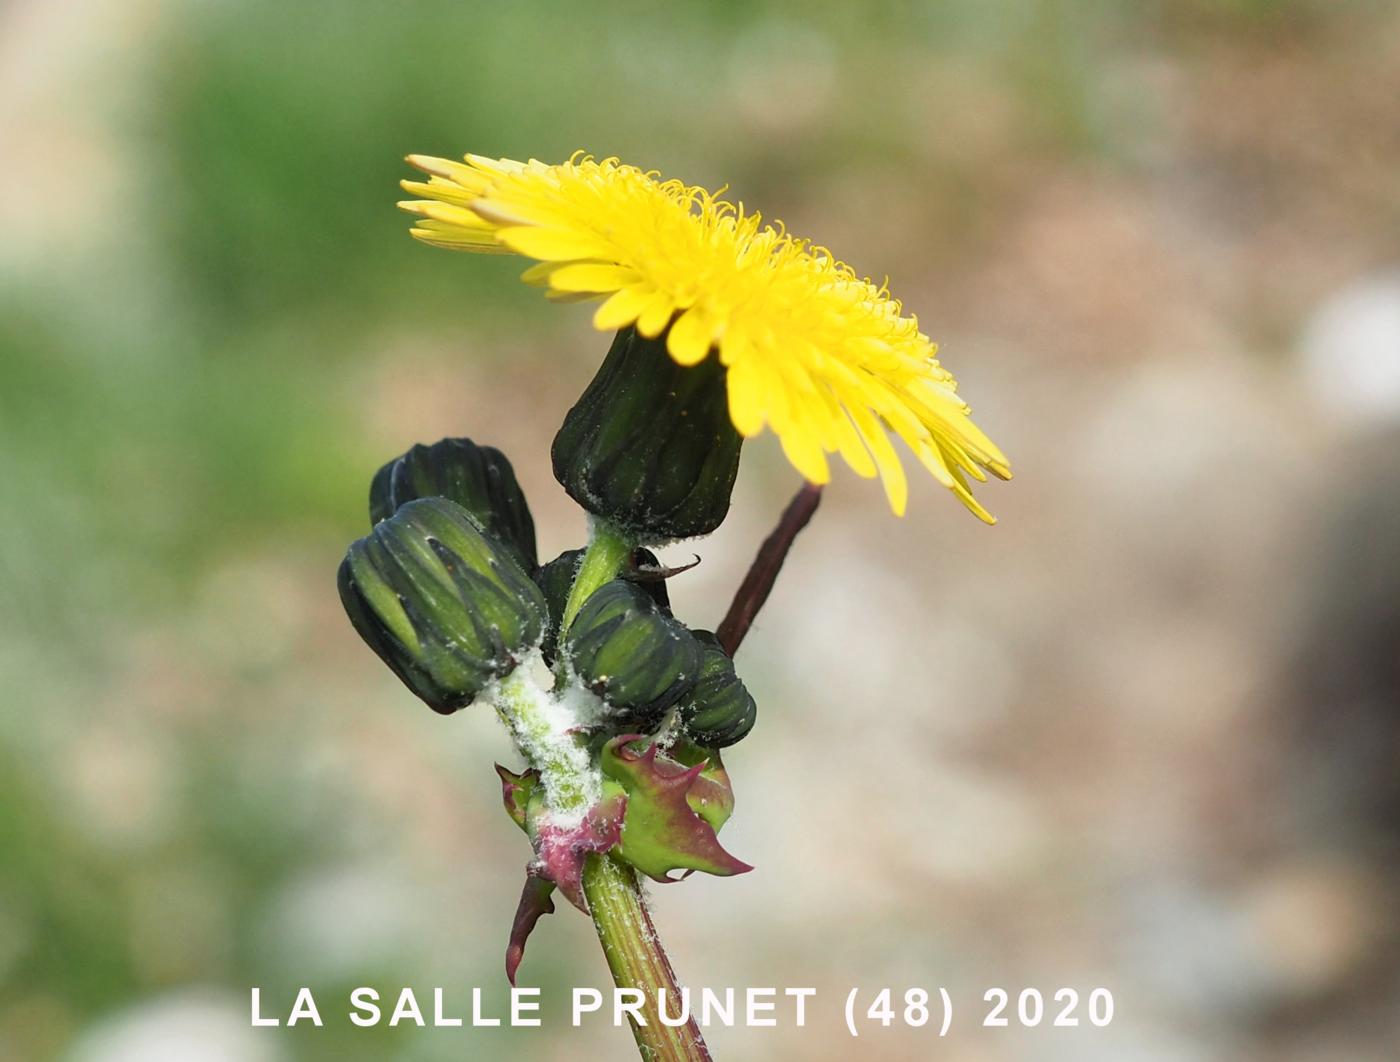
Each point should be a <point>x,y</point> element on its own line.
<point>478,478</point>
<point>556,579</point>
<point>442,602</point>
<point>718,711</point>
<point>650,446</point>
<point>632,654</point>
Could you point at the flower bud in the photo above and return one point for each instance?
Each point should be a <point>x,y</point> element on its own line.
<point>633,655</point>
<point>718,711</point>
<point>442,602</point>
<point>478,478</point>
<point>556,579</point>
<point>650,446</point>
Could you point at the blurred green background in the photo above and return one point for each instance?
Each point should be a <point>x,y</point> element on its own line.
<point>1143,734</point>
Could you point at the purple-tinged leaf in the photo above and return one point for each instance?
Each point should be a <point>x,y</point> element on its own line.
<point>661,832</point>
<point>516,790</point>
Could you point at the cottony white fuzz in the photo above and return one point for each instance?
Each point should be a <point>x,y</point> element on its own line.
<point>546,731</point>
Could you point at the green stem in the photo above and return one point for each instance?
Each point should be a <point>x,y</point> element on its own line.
<point>637,961</point>
<point>615,900</point>
<point>544,737</point>
<point>547,740</point>
<point>607,551</point>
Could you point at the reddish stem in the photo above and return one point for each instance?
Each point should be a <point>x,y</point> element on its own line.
<point>758,583</point>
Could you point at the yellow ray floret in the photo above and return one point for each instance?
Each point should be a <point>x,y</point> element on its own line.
<point>825,358</point>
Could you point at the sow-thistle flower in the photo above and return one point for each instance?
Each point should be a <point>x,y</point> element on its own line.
<point>718,711</point>
<point>632,653</point>
<point>556,579</point>
<point>724,326</point>
<point>478,478</point>
<point>825,358</point>
<point>649,446</point>
<point>441,601</point>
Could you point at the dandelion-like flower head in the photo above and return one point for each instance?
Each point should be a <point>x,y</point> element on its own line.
<point>825,358</point>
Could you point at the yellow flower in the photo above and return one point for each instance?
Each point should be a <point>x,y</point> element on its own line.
<point>825,358</point>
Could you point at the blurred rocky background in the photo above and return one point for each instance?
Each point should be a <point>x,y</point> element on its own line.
<point>1145,734</point>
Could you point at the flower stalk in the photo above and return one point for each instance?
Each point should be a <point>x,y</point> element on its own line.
<point>763,573</point>
<point>546,736</point>
<point>608,549</point>
<point>616,902</point>
<point>638,961</point>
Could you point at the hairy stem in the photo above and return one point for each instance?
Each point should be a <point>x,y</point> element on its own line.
<point>545,735</point>
<point>608,549</point>
<point>758,583</point>
<point>615,901</point>
<point>637,961</point>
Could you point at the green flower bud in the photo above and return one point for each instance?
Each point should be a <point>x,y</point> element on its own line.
<point>650,446</point>
<point>556,579</point>
<point>478,478</point>
<point>718,711</point>
<point>635,656</point>
<point>442,602</point>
